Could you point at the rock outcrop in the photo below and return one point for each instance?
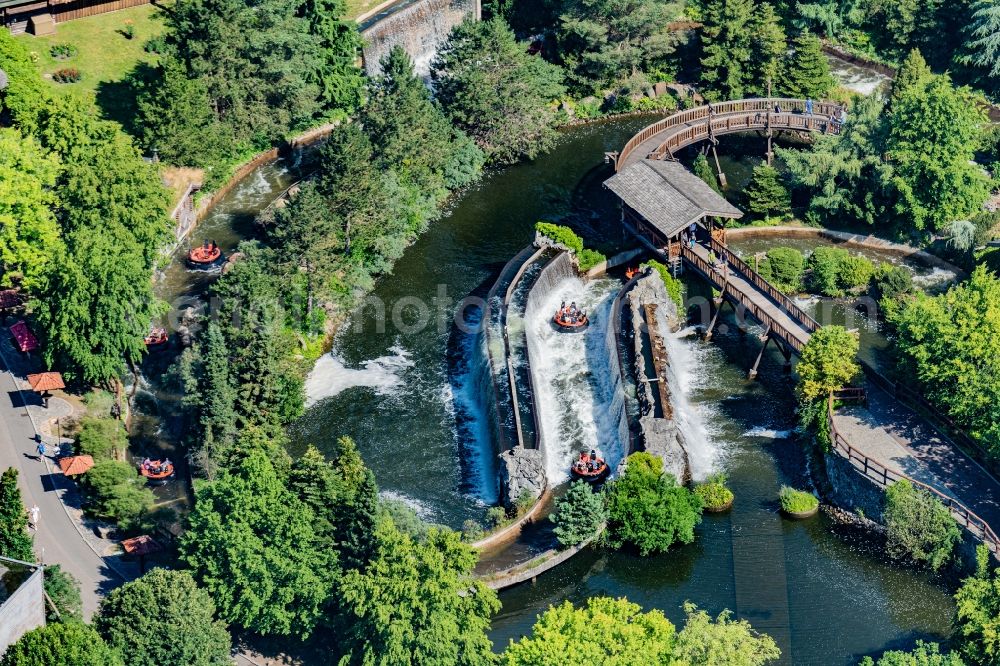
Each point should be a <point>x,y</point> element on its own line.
<point>521,470</point>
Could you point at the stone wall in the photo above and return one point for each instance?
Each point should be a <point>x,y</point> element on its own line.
<point>24,609</point>
<point>419,26</point>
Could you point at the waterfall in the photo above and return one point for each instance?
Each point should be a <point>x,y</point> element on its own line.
<point>419,26</point>
<point>571,372</point>
<point>688,370</point>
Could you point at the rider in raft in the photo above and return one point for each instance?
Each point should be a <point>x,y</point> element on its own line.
<point>571,314</point>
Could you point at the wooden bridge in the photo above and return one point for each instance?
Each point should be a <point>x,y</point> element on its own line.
<point>663,138</point>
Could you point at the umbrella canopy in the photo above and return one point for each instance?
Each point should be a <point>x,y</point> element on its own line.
<point>141,545</point>
<point>46,381</point>
<point>25,339</point>
<point>74,465</point>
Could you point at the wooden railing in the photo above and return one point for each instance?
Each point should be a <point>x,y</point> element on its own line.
<point>781,300</point>
<point>885,476</point>
<point>750,307</point>
<point>745,114</point>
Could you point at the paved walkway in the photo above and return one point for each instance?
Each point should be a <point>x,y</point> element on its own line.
<point>895,436</point>
<point>63,537</point>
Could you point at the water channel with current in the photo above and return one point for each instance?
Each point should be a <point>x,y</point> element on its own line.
<point>406,391</point>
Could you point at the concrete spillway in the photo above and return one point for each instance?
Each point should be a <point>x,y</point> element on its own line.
<point>419,26</point>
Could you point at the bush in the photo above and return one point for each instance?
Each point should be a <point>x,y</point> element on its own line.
<point>62,51</point>
<point>797,501</point>
<point>855,271</point>
<point>128,31</point>
<point>977,612</point>
<point>891,282</point>
<point>565,236</point>
<point>496,516</point>
<point>587,108</point>
<point>157,44</point>
<point>523,502</point>
<point>675,288</point>
<point>101,438</point>
<point>578,514</point>
<point>919,526</point>
<point>661,103</point>
<point>713,493</point>
<point>61,644</point>
<point>117,492</point>
<point>647,509</point>
<point>784,267</point>
<point>825,264</point>
<point>471,530</point>
<point>67,75</point>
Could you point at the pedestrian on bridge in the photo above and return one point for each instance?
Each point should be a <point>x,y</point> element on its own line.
<point>809,107</point>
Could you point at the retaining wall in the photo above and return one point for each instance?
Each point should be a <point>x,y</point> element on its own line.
<point>24,609</point>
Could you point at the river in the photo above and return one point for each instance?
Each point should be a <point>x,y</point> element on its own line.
<point>405,393</point>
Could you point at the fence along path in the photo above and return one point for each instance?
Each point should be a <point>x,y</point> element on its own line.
<point>664,137</point>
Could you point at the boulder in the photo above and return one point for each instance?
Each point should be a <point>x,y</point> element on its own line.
<point>664,440</point>
<point>521,470</point>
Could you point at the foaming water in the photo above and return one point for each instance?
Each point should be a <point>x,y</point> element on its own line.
<point>571,375</point>
<point>331,375</point>
<point>769,433</point>
<point>688,372</point>
<point>422,509</point>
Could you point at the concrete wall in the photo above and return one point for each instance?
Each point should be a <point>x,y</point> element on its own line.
<point>419,26</point>
<point>24,609</point>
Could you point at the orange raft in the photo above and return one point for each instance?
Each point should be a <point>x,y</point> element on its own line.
<point>157,471</point>
<point>590,468</point>
<point>570,320</point>
<point>206,255</point>
<point>156,338</point>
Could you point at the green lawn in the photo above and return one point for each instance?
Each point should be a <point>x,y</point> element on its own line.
<point>104,55</point>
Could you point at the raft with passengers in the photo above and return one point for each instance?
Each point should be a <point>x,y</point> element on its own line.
<point>205,256</point>
<point>570,318</point>
<point>157,472</point>
<point>590,468</point>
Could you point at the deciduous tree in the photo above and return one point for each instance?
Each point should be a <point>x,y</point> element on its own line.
<point>164,618</point>
<point>919,526</point>
<point>977,613</point>
<point>722,642</point>
<point>828,362</point>
<point>61,644</point>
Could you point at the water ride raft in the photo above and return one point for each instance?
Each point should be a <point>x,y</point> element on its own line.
<point>156,339</point>
<point>208,255</point>
<point>157,472</point>
<point>590,468</point>
<point>569,321</point>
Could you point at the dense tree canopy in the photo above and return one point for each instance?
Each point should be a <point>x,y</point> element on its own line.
<point>61,644</point>
<point>722,641</point>
<point>828,362</point>
<point>977,613</point>
<point>496,92</point>
<point>250,543</point>
<point>647,509</point>
<point>924,654</point>
<point>164,618</point>
<point>417,603</point>
<point>919,526</point>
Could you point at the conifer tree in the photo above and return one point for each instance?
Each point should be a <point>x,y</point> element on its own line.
<point>217,397</point>
<point>15,542</point>
<point>807,72</point>
<point>768,196</point>
<point>913,72</point>
<point>983,45</point>
<point>727,47</point>
<point>769,46</point>
<point>703,170</point>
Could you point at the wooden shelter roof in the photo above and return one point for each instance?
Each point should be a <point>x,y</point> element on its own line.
<point>46,381</point>
<point>141,545</point>
<point>668,196</point>
<point>73,465</point>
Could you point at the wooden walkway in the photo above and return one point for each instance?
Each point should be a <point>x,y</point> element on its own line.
<point>751,294</point>
<point>663,138</point>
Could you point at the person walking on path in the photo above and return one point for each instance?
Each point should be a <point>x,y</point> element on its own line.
<point>33,514</point>
<point>40,449</point>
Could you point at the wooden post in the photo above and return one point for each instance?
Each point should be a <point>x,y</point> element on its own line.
<point>715,318</point>
<point>718,168</point>
<point>753,370</point>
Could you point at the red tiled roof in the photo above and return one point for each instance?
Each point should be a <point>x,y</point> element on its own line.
<point>46,381</point>
<point>74,465</point>
<point>141,545</point>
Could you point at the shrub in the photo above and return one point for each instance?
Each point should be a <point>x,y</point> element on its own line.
<point>156,44</point>
<point>713,493</point>
<point>61,644</point>
<point>661,103</point>
<point>578,514</point>
<point>496,516</point>
<point>64,591</point>
<point>62,51</point>
<point>797,501</point>
<point>891,282</point>
<point>523,502</point>
<point>118,492</point>
<point>924,654</point>
<point>854,272</point>
<point>565,236</point>
<point>647,509</point>
<point>977,613</point>
<point>675,288</point>
<point>101,438</point>
<point>67,75</point>
<point>471,530</point>
<point>919,526</point>
<point>784,267</point>
<point>587,108</point>
<point>825,264</point>
<point>128,31</point>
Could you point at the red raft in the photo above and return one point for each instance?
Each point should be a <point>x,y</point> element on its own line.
<point>156,338</point>
<point>207,255</point>
<point>157,471</point>
<point>590,468</point>
<point>570,319</point>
